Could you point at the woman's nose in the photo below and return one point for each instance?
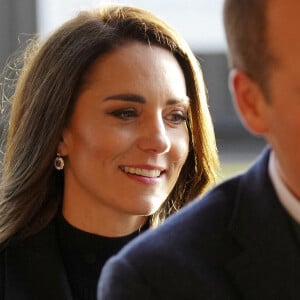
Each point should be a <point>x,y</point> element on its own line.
<point>154,137</point>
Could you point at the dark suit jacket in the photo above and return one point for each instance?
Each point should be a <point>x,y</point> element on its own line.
<point>33,269</point>
<point>235,243</point>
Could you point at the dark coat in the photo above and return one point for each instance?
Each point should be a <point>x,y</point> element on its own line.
<point>235,243</point>
<point>33,269</point>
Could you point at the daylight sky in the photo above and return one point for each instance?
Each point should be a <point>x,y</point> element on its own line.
<point>199,21</point>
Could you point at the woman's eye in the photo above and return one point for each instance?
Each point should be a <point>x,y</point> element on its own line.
<point>177,117</point>
<point>124,114</point>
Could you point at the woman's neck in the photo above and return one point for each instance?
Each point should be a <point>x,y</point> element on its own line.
<point>110,225</point>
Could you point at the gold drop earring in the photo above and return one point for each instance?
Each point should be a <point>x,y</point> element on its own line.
<point>59,162</point>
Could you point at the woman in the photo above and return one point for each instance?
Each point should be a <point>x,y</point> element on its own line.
<point>116,101</point>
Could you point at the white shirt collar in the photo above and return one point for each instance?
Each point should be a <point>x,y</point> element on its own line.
<point>286,198</point>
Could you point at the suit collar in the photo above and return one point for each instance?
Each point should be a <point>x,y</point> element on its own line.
<point>34,269</point>
<point>269,262</point>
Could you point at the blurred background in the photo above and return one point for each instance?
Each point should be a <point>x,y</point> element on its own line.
<point>199,22</point>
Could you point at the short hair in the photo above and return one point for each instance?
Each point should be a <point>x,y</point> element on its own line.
<point>31,189</point>
<point>245,24</point>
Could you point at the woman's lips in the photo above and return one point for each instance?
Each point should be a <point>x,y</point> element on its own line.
<point>152,173</point>
<point>144,174</point>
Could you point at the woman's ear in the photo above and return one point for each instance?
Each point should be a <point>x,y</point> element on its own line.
<point>62,148</point>
<point>249,101</point>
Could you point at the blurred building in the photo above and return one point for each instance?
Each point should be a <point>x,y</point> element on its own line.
<point>17,18</point>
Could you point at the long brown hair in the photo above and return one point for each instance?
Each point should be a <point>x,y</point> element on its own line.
<point>31,189</point>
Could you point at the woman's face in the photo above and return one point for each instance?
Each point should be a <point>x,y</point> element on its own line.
<point>127,139</point>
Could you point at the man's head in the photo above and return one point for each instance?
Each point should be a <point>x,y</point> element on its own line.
<point>246,25</point>
<point>264,46</point>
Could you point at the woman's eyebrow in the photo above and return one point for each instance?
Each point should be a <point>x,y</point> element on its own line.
<point>127,97</point>
<point>185,100</point>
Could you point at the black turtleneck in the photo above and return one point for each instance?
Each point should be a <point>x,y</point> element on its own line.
<point>84,255</point>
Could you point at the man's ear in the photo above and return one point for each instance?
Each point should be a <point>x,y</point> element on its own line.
<point>249,101</point>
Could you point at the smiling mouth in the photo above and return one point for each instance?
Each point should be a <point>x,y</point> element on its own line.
<point>142,172</point>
